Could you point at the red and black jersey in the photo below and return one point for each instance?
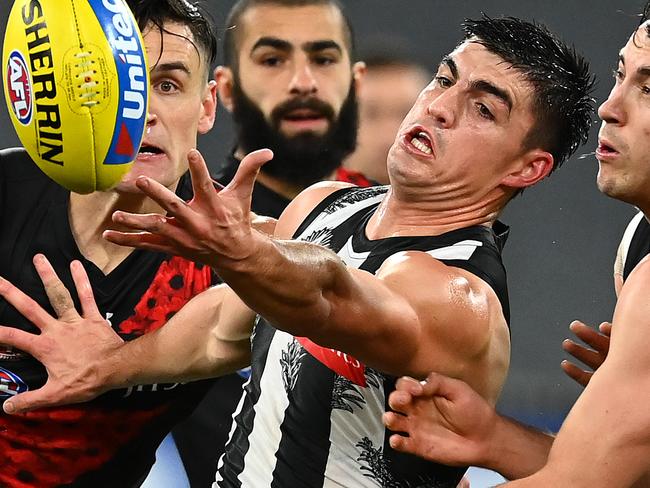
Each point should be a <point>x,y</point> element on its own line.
<point>354,177</point>
<point>110,442</point>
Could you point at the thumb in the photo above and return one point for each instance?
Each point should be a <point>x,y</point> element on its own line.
<point>30,400</point>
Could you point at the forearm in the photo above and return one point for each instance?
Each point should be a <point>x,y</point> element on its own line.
<point>516,450</point>
<point>603,442</point>
<point>190,346</point>
<point>292,284</point>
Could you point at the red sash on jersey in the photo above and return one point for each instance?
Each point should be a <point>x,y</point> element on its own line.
<point>339,362</point>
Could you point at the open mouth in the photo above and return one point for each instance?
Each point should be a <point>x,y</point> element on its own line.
<point>421,141</point>
<point>605,149</point>
<point>149,150</point>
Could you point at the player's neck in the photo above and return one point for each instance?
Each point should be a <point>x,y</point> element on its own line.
<point>398,217</point>
<point>90,215</point>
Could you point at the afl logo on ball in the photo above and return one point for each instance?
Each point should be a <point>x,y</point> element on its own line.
<point>10,384</point>
<point>20,87</point>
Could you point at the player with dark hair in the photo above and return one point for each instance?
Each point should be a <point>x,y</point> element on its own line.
<point>110,442</point>
<point>376,283</point>
<point>605,440</point>
<point>235,22</point>
<point>192,15</point>
<point>281,84</point>
<point>290,82</point>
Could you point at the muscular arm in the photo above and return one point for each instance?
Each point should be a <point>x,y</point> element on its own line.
<point>605,441</point>
<point>415,315</point>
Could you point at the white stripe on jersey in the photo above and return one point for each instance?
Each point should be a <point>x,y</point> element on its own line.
<point>233,427</point>
<point>350,256</point>
<point>334,219</point>
<point>624,246</point>
<point>348,431</point>
<point>461,250</point>
<point>264,439</point>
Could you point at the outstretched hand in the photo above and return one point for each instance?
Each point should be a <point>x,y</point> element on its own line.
<point>441,419</point>
<point>213,226</point>
<point>592,356</point>
<point>68,346</point>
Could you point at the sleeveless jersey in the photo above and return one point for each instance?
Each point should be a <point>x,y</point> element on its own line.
<point>312,416</point>
<point>636,243</point>
<point>111,441</point>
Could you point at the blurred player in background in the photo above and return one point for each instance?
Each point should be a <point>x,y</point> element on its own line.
<point>393,81</point>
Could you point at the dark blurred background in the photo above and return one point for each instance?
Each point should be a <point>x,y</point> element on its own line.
<point>564,233</point>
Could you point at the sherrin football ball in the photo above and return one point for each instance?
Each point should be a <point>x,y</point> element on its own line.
<point>76,84</point>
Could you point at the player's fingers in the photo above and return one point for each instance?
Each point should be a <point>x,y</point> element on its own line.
<point>605,328</point>
<point>84,290</point>
<point>440,385</point>
<point>202,183</point>
<point>591,358</point>
<point>243,181</point>
<point>590,336</point>
<point>31,310</point>
<point>46,396</point>
<point>141,240</point>
<point>576,373</point>
<point>399,400</point>
<point>57,293</point>
<point>164,197</point>
<point>400,443</point>
<point>151,223</point>
<point>396,422</point>
<point>20,339</point>
<point>409,385</point>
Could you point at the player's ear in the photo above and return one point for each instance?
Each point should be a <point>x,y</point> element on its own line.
<point>537,165</point>
<point>359,70</point>
<point>225,79</point>
<point>208,107</point>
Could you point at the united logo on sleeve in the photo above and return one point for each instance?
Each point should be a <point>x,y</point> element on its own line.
<point>19,88</point>
<point>11,384</point>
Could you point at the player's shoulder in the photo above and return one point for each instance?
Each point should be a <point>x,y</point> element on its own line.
<point>455,305</point>
<point>15,163</point>
<point>425,267</point>
<point>626,242</point>
<point>301,206</point>
<point>640,275</point>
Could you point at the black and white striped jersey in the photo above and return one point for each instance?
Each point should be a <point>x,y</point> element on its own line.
<point>312,416</point>
<point>636,243</point>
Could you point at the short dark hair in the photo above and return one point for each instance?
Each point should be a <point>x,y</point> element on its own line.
<point>562,84</point>
<point>645,15</point>
<point>242,6</point>
<point>186,12</point>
